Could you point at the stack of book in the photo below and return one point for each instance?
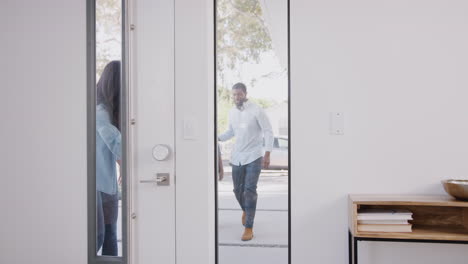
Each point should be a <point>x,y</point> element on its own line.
<point>384,220</point>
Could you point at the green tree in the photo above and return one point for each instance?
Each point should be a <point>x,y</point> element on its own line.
<point>241,33</point>
<point>108,33</point>
<point>241,36</point>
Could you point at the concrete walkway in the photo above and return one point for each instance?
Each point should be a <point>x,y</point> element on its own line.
<point>270,243</point>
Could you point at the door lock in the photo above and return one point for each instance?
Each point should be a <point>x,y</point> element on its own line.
<point>161,152</point>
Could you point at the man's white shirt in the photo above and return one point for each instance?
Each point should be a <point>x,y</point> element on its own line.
<point>250,126</point>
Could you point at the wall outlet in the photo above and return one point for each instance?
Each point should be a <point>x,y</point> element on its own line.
<point>336,123</point>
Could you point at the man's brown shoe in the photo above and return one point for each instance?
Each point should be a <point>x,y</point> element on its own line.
<point>248,234</point>
<point>243,218</point>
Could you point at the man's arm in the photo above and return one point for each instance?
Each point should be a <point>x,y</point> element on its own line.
<point>266,160</point>
<point>265,125</point>
<point>220,165</point>
<point>228,134</point>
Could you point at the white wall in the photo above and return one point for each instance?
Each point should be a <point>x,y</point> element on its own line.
<point>194,72</point>
<point>397,69</point>
<point>43,132</point>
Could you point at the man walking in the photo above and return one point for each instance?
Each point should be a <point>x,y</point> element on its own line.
<point>249,124</point>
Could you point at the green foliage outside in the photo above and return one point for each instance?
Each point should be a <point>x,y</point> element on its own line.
<point>241,37</point>
<point>108,33</point>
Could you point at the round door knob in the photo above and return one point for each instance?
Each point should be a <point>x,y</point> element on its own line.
<point>161,152</point>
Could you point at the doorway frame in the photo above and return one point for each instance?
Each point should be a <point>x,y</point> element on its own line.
<point>91,135</point>
<point>215,138</point>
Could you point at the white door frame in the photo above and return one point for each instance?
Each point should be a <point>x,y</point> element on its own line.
<point>153,109</point>
<point>195,101</point>
<point>194,142</point>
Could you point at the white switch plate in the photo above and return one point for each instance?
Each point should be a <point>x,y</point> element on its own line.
<point>336,123</point>
<point>190,128</point>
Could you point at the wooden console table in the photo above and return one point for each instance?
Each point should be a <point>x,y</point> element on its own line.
<point>436,219</point>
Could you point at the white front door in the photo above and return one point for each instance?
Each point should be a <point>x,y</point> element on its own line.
<point>151,66</point>
<point>171,80</point>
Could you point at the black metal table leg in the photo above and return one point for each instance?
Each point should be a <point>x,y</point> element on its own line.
<point>350,248</point>
<point>355,250</point>
<point>353,243</point>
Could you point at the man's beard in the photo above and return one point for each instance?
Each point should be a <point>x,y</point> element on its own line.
<point>240,104</point>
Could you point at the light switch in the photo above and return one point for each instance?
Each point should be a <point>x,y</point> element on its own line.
<point>336,123</point>
<point>190,128</point>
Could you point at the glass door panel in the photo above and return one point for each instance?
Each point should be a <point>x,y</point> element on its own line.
<point>252,79</point>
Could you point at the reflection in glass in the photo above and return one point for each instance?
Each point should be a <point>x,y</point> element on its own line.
<point>253,133</point>
<point>108,154</point>
<point>108,136</point>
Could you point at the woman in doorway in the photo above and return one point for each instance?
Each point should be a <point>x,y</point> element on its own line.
<point>108,154</point>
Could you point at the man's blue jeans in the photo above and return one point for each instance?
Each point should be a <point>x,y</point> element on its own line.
<point>245,179</point>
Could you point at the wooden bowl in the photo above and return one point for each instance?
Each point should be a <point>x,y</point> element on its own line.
<point>457,188</point>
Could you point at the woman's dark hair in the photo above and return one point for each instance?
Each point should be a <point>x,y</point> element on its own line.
<point>108,91</point>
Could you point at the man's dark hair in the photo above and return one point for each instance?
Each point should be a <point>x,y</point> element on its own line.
<point>240,86</point>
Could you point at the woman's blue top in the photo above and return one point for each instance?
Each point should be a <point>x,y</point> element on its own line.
<point>108,151</point>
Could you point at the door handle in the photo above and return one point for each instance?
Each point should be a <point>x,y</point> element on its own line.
<point>148,181</point>
<point>162,179</point>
